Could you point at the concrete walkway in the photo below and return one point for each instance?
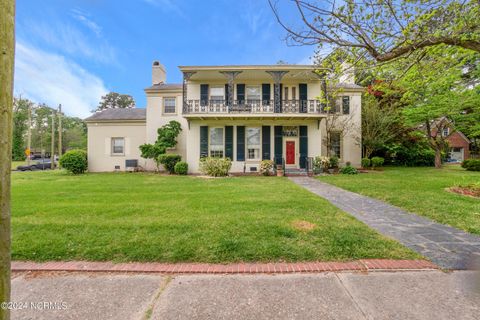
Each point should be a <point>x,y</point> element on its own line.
<point>380,295</point>
<point>447,247</point>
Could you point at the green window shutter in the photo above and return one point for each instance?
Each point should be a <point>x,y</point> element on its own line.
<point>265,142</point>
<point>240,143</point>
<point>266,93</point>
<point>303,96</point>
<point>346,104</point>
<point>229,142</point>
<point>278,138</point>
<point>240,93</point>
<point>203,141</point>
<point>303,146</point>
<point>204,94</point>
<point>227,94</point>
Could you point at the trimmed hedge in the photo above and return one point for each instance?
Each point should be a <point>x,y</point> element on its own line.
<point>169,161</point>
<point>181,168</point>
<point>348,170</point>
<point>366,163</point>
<point>215,167</point>
<point>471,164</point>
<point>377,162</point>
<point>74,161</point>
<point>266,167</point>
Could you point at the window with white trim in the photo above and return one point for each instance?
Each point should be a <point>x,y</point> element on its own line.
<point>253,93</point>
<point>169,105</point>
<point>253,143</point>
<point>216,142</point>
<point>118,146</point>
<point>446,132</point>
<point>217,93</point>
<point>335,144</point>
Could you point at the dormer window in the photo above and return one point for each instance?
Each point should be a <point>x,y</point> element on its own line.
<point>446,132</point>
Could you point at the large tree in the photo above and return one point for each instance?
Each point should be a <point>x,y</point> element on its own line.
<point>383,30</point>
<point>114,100</point>
<point>434,92</point>
<point>7,54</point>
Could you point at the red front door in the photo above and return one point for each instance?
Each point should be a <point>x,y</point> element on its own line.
<point>290,152</point>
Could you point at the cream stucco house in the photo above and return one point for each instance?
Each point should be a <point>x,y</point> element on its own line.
<point>247,113</point>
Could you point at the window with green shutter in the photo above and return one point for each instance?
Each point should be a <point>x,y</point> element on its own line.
<point>241,93</point>
<point>278,147</point>
<point>204,94</point>
<point>346,104</point>
<point>229,142</point>
<point>203,141</point>
<point>303,146</point>
<point>240,143</point>
<point>265,142</point>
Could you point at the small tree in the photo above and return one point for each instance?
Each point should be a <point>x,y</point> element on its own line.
<point>167,138</point>
<point>115,100</point>
<point>74,161</point>
<point>20,126</point>
<point>378,125</point>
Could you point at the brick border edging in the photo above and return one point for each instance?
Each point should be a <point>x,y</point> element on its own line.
<point>246,268</point>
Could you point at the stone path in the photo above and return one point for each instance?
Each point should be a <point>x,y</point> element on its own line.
<point>425,295</point>
<point>446,246</point>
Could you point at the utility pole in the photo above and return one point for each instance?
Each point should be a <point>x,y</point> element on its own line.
<point>7,42</point>
<point>29,133</point>
<point>59,131</point>
<point>52,148</point>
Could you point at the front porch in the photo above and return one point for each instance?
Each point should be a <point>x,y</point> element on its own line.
<point>290,144</point>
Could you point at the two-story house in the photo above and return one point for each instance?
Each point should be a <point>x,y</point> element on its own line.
<point>247,113</point>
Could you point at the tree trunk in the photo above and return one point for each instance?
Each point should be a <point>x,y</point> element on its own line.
<point>438,158</point>
<point>7,45</point>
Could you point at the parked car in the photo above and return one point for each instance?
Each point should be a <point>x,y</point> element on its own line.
<point>42,164</point>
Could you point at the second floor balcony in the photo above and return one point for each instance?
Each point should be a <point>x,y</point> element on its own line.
<point>253,108</point>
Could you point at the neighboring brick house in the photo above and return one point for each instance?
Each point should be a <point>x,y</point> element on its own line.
<point>459,145</point>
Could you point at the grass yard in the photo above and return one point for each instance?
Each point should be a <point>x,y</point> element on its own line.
<point>422,191</point>
<point>148,217</point>
<point>15,164</point>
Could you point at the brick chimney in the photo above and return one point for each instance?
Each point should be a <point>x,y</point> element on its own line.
<point>159,75</point>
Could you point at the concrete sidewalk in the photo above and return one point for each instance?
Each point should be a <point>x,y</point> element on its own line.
<point>375,295</point>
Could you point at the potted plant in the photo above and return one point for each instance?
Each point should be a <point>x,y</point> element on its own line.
<point>279,170</point>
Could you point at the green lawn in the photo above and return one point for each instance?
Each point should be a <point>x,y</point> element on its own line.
<point>147,217</point>
<point>421,191</point>
<point>15,164</point>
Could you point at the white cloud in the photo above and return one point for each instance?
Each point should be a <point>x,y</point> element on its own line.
<point>84,18</point>
<point>53,79</point>
<point>167,5</point>
<point>70,40</point>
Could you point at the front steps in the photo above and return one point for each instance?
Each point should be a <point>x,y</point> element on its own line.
<point>296,172</point>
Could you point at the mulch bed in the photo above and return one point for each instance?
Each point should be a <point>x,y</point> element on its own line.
<point>470,191</point>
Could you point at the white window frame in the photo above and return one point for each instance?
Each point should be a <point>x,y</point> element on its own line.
<point>445,132</point>
<point>112,146</point>
<point>217,97</point>
<point>256,97</point>
<point>210,142</point>
<point>339,144</point>
<point>255,147</point>
<point>165,105</point>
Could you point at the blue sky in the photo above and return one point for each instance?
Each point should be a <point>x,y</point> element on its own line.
<point>72,52</point>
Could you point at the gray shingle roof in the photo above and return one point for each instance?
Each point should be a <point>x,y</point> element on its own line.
<point>119,114</point>
<point>166,86</point>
